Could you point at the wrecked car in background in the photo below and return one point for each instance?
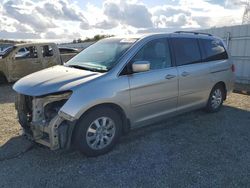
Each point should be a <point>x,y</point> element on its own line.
<point>22,59</point>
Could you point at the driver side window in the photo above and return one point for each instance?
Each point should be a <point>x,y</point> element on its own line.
<point>156,52</point>
<point>26,52</point>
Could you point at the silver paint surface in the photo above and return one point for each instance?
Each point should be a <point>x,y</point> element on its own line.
<point>144,97</point>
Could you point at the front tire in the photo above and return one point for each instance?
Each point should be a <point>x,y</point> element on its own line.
<point>98,131</point>
<point>215,100</point>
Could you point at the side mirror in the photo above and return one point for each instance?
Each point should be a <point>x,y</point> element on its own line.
<point>141,66</point>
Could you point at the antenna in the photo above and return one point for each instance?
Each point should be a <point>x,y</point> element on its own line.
<point>246,15</point>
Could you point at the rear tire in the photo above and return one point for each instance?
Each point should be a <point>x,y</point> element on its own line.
<point>98,131</point>
<point>215,100</point>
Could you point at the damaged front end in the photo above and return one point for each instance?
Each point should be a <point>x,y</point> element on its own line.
<point>42,122</point>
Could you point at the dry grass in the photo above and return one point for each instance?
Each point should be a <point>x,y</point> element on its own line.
<point>9,126</point>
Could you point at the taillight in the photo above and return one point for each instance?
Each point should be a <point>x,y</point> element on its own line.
<point>233,68</point>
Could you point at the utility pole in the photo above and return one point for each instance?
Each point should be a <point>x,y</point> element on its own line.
<point>246,15</point>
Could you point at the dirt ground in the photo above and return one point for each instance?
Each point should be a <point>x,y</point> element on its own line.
<point>8,123</point>
<point>192,150</point>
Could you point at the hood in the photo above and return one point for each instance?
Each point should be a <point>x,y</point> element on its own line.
<point>53,80</point>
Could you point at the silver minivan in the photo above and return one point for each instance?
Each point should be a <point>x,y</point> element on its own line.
<point>122,83</point>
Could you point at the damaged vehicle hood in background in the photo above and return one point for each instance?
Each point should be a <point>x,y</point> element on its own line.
<point>53,80</point>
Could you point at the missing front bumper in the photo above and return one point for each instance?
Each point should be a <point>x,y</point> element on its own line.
<point>54,133</point>
<point>48,135</point>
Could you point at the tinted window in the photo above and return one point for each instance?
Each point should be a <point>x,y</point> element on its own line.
<point>157,53</point>
<point>214,50</point>
<point>187,51</point>
<point>47,51</point>
<point>27,52</point>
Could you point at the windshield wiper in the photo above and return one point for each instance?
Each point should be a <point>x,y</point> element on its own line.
<point>87,68</point>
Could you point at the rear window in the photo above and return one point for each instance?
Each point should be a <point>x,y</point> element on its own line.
<point>186,50</point>
<point>214,50</point>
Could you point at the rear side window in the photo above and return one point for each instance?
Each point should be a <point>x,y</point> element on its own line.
<point>47,51</point>
<point>186,50</point>
<point>214,50</point>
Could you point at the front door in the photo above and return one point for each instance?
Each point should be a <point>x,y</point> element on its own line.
<point>153,93</point>
<point>26,60</point>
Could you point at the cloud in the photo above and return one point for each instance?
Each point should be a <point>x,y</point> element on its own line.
<point>169,16</point>
<point>84,25</point>
<point>37,19</point>
<point>18,35</point>
<point>169,11</point>
<point>66,19</point>
<point>176,21</point>
<point>61,10</point>
<point>203,21</point>
<point>25,16</point>
<point>22,27</point>
<point>193,14</point>
<point>136,15</point>
<point>62,36</point>
<point>106,24</point>
<point>233,3</point>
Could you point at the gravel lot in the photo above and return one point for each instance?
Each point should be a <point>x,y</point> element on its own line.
<point>193,150</point>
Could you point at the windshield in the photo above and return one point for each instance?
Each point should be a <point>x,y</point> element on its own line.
<point>101,56</point>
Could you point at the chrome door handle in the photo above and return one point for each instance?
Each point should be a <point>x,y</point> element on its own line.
<point>170,76</point>
<point>185,73</point>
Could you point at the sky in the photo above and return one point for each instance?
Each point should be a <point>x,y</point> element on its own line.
<point>65,20</point>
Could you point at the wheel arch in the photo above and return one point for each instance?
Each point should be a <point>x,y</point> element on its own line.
<point>117,108</point>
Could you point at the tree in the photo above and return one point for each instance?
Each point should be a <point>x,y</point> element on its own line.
<point>94,39</point>
<point>79,40</point>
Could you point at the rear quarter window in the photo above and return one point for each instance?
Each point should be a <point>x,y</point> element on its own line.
<point>213,50</point>
<point>47,51</point>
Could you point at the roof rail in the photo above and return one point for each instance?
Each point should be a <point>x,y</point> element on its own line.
<point>194,32</point>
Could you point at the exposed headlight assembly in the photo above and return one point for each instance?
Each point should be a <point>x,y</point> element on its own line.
<point>47,107</point>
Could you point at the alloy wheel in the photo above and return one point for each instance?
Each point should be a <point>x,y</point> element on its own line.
<point>100,133</point>
<point>216,98</point>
